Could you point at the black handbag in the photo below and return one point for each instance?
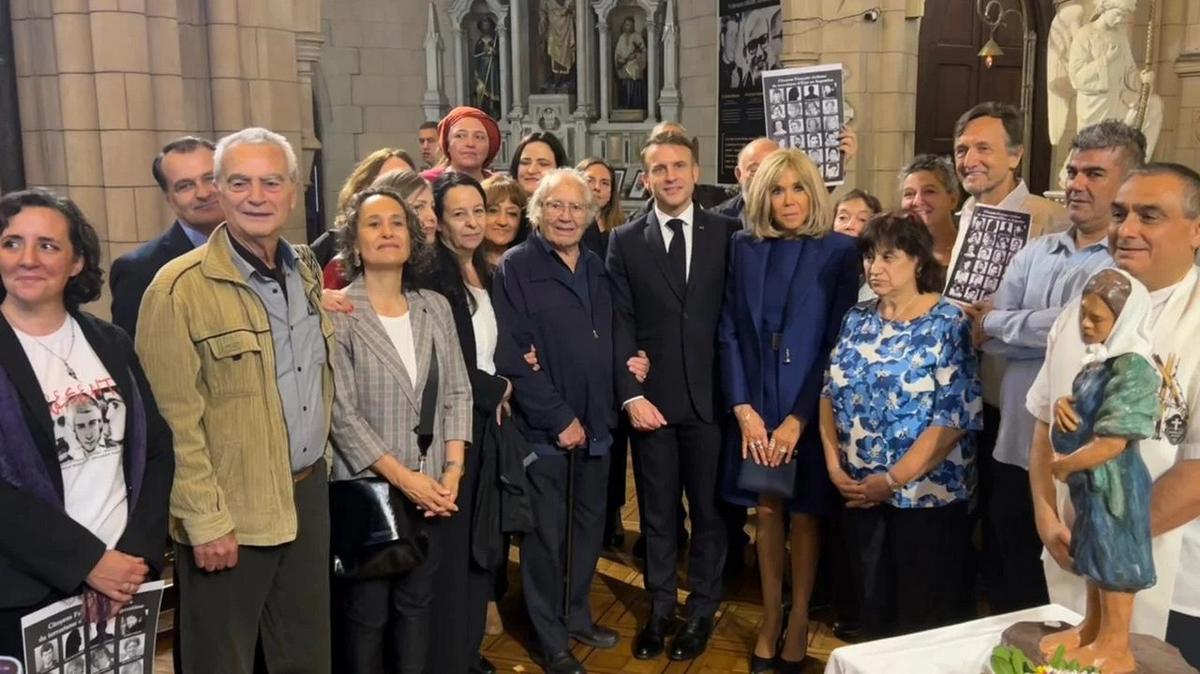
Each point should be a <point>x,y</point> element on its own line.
<point>779,481</point>
<point>376,531</point>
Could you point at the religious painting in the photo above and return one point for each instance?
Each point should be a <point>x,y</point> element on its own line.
<point>553,44</point>
<point>484,63</point>
<point>627,28</point>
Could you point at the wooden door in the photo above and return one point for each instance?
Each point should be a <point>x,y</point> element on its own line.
<point>951,78</point>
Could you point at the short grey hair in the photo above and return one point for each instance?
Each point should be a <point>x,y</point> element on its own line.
<point>1113,135</point>
<point>255,135</point>
<point>938,166</point>
<point>549,183</point>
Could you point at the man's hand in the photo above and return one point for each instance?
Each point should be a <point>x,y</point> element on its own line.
<point>336,301</point>
<point>848,142</point>
<point>977,312</point>
<point>782,444</point>
<point>639,366</point>
<point>573,436</point>
<point>217,555</point>
<point>644,416</point>
<point>504,409</point>
<point>531,359</point>
<point>118,575</point>
<point>1065,416</point>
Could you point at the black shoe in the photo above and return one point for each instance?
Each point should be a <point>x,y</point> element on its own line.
<point>692,639</point>
<point>761,665</point>
<point>652,640</point>
<point>562,662</point>
<point>484,666</point>
<point>846,630</point>
<point>788,667</point>
<point>596,637</point>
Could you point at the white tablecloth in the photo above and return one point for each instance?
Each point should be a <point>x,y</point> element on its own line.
<point>957,649</point>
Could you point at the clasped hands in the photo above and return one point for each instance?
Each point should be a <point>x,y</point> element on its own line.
<point>773,449</point>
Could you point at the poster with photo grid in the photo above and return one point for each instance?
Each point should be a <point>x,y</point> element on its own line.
<point>993,238</point>
<point>58,640</point>
<point>804,110</point>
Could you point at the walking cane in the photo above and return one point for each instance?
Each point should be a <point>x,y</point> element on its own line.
<point>570,536</point>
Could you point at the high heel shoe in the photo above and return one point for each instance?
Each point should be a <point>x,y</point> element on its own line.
<point>760,665</point>
<point>783,666</point>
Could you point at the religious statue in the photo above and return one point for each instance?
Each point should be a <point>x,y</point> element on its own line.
<point>556,23</point>
<point>1113,404</point>
<point>629,59</point>
<point>485,60</point>
<point>1091,64</point>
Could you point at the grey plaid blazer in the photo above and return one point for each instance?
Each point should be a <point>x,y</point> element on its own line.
<point>375,408</point>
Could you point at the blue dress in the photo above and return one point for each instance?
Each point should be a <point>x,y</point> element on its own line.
<point>1110,539</point>
<point>814,493</point>
<point>891,380</point>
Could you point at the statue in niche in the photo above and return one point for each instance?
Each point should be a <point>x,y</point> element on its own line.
<point>629,59</point>
<point>485,60</point>
<point>1113,404</point>
<point>1091,64</point>
<point>556,24</point>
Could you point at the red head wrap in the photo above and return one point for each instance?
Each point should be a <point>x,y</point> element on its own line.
<point>465,112</point>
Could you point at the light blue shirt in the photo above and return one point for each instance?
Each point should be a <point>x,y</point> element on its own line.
<point>197,237</point>
<point>1041,279</point>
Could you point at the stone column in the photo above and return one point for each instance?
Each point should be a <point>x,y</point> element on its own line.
<point>431,102</point>
<point>605,65</point>
<point>519,62</point>
<point>308,52</point>
<point>1184,147</point>
<point>505,63</point>
<point>655,49</point>
<point>669,100</point>
<point>461,76</point>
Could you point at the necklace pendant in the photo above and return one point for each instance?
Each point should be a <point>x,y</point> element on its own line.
<point>71,372</point>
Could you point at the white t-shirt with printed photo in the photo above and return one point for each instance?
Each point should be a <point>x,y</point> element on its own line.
<point>88,415</point>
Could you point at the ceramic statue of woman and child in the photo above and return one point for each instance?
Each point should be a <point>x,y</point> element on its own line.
<point>1095,435</point>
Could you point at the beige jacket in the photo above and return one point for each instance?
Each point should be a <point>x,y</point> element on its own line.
<point>205,342</point>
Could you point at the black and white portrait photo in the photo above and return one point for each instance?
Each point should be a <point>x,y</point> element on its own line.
<point>832,123</point>
<point>797,142</point>
<point>829,106</point>
<point>795,126</point>
<point>795,110</point>
<point>751,42</point>
<point>132,648</point>
<point>811,92</point>
<point>45,657</point>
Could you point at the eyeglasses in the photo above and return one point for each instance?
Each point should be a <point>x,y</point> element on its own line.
<point>556,207</point>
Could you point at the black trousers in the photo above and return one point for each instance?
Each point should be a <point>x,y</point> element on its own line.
<point>384,622</point>
<point>1183,632</point>
<point>1018,580</point>
<point>543,551</point>
<point>617,468</point>
<point>686,454</point>
<point>909,565</point>
<point>279,594</point>
<point>461,588</point>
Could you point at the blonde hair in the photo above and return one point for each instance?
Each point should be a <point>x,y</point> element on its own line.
<point>367,171</point>
<point>758,197</point>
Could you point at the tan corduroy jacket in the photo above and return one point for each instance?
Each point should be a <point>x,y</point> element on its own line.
<point>205,342</point>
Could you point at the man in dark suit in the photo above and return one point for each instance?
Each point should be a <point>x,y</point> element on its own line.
<point>752,154</point>
<point>667,272</point>
<point>183,170</point>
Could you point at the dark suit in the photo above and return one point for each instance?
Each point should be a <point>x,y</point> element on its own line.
<point>677,328</point>
<point>568,316</point>
<point>44,554</point>
<point>132,273</point>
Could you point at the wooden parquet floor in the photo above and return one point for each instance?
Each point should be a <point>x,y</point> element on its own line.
<point>619,602</point>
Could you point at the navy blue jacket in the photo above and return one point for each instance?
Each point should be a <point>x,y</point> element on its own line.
<point>536,305</point>
<point>132,273</point>
<point>823,288</point>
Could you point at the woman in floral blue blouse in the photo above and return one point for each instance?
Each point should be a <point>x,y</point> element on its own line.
<point>901,397</point>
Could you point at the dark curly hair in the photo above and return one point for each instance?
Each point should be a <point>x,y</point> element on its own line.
<point>420,255</point>
<point>447,278</point>
<point>85,286</point>
<point>900,230</point>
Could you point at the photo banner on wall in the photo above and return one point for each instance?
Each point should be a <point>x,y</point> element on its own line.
<point>805,111</point>
<point>751,41</point>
